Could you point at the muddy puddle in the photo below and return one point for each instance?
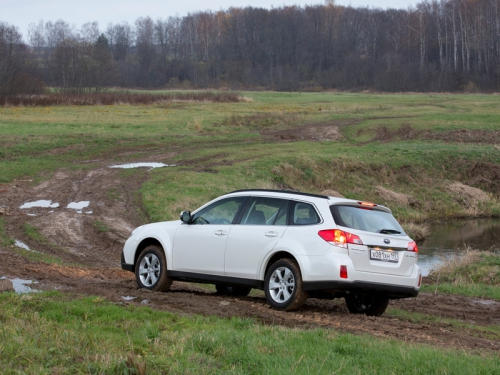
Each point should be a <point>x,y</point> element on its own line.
<point>42,203</point>
<point>448,240</point>
<point>22,286</point>
<point>141,165</point>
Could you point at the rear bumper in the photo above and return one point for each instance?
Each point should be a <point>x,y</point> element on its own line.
<point>322,273</point>
<point>392,291</point>
<point>125,266</point>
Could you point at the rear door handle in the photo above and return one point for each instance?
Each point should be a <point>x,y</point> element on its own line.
<point>271,233</point>
<point>220,232</point>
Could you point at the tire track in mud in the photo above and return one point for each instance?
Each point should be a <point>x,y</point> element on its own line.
<point>75,238</point>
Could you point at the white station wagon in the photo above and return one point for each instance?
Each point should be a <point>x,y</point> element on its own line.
<point>291,244</point>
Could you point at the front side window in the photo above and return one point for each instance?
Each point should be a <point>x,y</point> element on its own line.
<point>368,220</point>
<point>266,211</point>
<point>220,212</point>
<point>304,214</point>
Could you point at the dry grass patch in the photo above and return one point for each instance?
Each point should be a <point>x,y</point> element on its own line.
<point>110,98</point>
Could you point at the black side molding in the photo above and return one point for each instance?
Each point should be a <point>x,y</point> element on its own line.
<point>211,279</point>
<point>125,266</point>
<point>392,291</point>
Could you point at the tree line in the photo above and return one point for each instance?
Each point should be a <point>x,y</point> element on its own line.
<point>438,45</point>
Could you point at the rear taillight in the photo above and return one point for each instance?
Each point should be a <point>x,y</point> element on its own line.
<point>412,246</point>
<point>343,272</point>
<point>339,237</point>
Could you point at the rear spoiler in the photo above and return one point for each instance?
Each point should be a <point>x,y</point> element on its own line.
<point>365,205</point>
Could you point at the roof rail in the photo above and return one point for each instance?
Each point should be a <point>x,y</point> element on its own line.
<point>281,191</point>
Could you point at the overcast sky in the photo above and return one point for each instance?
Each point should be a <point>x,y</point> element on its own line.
<point>23,12</point>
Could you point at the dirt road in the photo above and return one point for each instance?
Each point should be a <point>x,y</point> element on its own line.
<point>88,242</point>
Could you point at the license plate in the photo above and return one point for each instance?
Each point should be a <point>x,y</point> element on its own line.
<point>384,256</point>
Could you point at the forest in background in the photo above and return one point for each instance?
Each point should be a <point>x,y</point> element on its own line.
<point>450,45</point>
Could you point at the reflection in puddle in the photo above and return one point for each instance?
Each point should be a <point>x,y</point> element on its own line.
<point>42,203</point>
<point>128,298</point>
<point>22,245</point>
<point>447,240</point>
<point>78,206</point>
<point>141,165</point>
<point>21,285</point>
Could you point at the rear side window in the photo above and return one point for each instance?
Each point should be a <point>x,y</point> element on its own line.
<point>266,211</point>
<point>304,214</point>
<point>363,219</point>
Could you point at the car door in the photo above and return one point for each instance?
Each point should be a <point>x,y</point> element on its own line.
<point>262,225</point>
<point>200,247</point>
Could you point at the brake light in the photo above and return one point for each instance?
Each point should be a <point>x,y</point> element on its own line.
<point>343,272</point>
<point>339,237</point>
<point>367,204</point>
<point>412,246</point>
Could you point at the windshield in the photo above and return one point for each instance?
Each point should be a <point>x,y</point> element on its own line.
<point>365,219</point>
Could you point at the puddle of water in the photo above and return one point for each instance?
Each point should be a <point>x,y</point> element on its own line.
<point>78,206</point>
<point>42,203</point>
<point>89,212</point>
<point>447,240</point>
<point>21,285</point>
<point>30,214</point>
<point>141,165</point>
<point>486,302</point>
<point>22,245</point>
<point>128,298</point>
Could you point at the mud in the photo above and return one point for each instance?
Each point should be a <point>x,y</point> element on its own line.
<point>329,131</point>
<point>91,265</point>
<point>407,132</point>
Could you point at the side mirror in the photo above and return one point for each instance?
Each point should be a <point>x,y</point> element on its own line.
<point>186,217</point>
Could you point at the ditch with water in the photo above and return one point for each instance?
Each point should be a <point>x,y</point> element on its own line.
<point>450,239</point>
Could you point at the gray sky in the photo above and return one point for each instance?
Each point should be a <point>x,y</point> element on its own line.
<point>23,12</point>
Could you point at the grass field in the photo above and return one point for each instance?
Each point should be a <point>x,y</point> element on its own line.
<point>428,157</point>
<point>476,274</point>
<point>413,145</point>
<point>50,333</point>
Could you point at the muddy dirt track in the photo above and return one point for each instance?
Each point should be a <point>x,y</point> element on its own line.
<point>89,244</point>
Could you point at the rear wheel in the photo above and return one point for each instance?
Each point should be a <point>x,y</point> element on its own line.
<point>151,269</point>
<point>369,304</point>
<point>232,290</point>
<point>283,285</point>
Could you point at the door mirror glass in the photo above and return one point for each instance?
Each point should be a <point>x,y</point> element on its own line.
<point>186,217</point>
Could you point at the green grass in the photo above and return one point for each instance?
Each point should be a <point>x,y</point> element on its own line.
<point>219,147</point>
<point>34,234</point>
<point>475,275</point>
<point>5,240</point>
<point>101,226</point>
<point>48,333</point>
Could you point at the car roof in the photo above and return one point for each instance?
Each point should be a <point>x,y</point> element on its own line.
<point>290,194</point>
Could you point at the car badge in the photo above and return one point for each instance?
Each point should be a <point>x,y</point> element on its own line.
<point>387,241</point>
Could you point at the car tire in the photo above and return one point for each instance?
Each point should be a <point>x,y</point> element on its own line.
<point>283,285</point>
<point>151,269</point>
<point>369,304</point>
<point>232,290</point>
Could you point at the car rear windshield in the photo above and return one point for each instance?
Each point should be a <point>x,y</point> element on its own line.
<point>370,220</point>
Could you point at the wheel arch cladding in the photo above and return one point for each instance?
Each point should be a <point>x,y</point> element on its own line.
<point>145,243</point>
<point>280,255</point>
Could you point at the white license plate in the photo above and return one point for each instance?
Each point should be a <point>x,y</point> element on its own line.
<point>384,256</point>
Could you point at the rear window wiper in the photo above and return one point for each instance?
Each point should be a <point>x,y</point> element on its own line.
<point>389,231</point>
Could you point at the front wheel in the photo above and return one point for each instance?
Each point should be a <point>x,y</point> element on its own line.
<point>369,304</point>
<point>151,269</point>
<point>283,285</point>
